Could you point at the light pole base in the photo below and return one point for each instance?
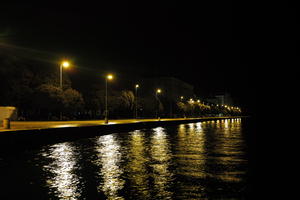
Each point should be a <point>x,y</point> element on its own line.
<point>105,121</point>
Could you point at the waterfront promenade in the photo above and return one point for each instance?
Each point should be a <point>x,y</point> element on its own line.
<point>40,125</point>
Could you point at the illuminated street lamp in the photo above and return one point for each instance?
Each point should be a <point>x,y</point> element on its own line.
<point>64,64</point>
<point>136,101</point>
<point>108,77</point>
<point>158,91</point>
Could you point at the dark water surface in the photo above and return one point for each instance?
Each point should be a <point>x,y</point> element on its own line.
<point>204,160</point>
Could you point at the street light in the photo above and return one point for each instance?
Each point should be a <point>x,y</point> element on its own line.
<point>158,91</point>
<point>108,77</point>
<point>136,101</point>
<point>63,64</point>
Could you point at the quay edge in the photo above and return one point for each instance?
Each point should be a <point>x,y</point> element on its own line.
<point>16,140</point>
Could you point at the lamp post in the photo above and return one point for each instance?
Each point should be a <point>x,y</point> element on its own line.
<point>136,100</point>
<point>108,77</point>
<point>158,91</point>
<point>63,64</point>
<point>183,110</point>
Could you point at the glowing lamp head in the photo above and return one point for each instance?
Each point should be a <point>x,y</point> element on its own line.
<point>158,91</point>
<point>181,97</point>
<point>137,86</point>
<point>109,77</point>
<point>65,64</point>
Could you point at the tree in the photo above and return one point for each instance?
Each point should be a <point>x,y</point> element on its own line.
<point>72,102</point>
<point>50,100</point>
<point>127,99</point>
<point>182,107</point>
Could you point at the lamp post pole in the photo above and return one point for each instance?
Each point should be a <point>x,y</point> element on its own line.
<point>136,100</point>
<point>62,64</point>
<point>106,119</point>
<point>157,111</point>
<point>60,77</point>
<point>60,84</point>
<point>108,77</point>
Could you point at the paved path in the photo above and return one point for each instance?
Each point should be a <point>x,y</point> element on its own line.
<point>31,125</point>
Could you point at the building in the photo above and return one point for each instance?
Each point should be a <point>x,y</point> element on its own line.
<point>220,99</point>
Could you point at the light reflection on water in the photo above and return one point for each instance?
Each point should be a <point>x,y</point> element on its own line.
<point>161,155</point>
<point>62,180</point>
<point>227,152</point>
<point>138,174</point>
<point>110,155</point>
<point>190,161</point>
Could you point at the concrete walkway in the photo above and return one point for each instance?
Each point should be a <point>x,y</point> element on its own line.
<point>33,125</point>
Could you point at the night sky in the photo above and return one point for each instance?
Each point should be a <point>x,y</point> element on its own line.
<point>208,45</point>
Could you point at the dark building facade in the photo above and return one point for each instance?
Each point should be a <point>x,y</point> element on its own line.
<point>220,99</point>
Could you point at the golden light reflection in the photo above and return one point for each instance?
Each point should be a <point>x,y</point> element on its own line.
<point>182,130</point>
<point>137,165</point>
<point>161,156</point>
<point>191,127</point>
<point>109,155</point>
<point>199,127</point>
<point>228,147</point>
<point>191,158</point>
<point>226,123</point>
<point>65,125</point>
<point>63,181</point>
<point>191,141</point>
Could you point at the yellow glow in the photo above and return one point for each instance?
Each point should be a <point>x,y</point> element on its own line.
<point>181,97</point>
<point>63,179</point>
<point>161,155</point>
<point>65,64</point>
<point>137,86</point>
<point>158,90</point>
<point>137,167</point>
<point>192,140</point>
<point>109,76</point>
<point>109,157</point>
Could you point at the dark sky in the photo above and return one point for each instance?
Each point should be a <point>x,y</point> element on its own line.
<point>208,45</point>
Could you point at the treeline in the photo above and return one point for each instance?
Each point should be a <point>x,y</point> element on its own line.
<point>34,89</point>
